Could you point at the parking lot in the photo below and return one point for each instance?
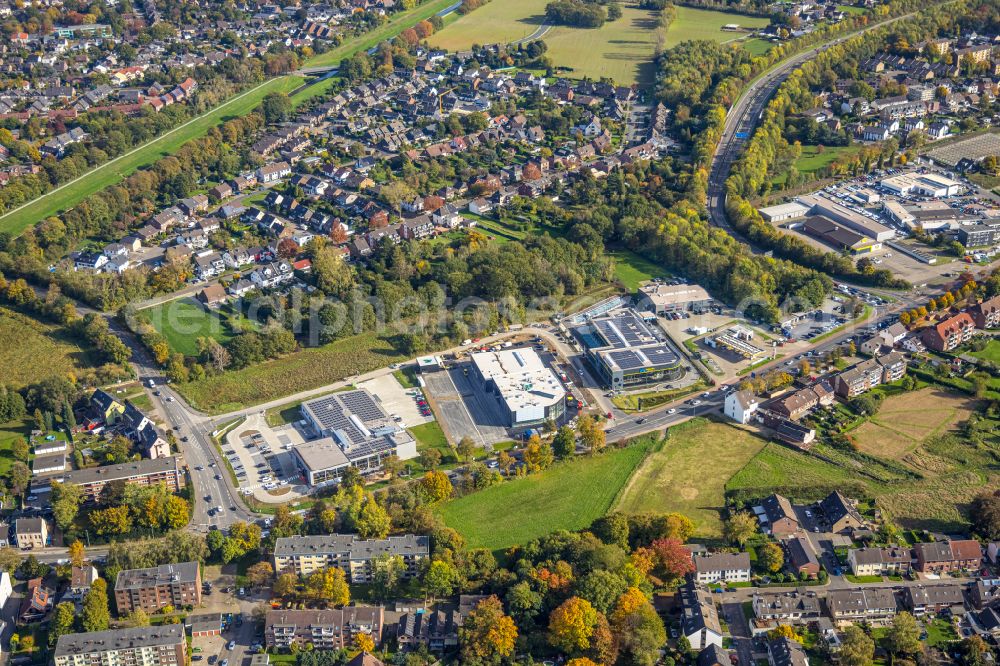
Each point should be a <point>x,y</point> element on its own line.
<point>400,403</point>
<point>463,409</point>
<point>262,460</point>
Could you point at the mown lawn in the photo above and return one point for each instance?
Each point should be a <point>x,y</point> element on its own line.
<point>114,171</point>
<point>632,270</point>
<point>757,46</point>
<point>688,473</point>
<point>813,159</point>
<point>9,432</point>
<point>692,23</point>
<point>300,371</point>
<point>31,350</point>
<point>990,353</point>
<point>568,496</point>
<point>183,321</point>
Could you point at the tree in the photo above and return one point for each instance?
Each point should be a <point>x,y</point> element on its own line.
<point>784,631</point>
<point>436,486</point>
<point>591,434</point>
<point>523,602</point>
<point>637,627</point>
<point>771,557</point>
<point>739,528</point>
<point>564,443</point>
<point>260,573</point>
<point>373,521</point>
<point>95,615</point>
<point>430,458</point>
<point>19,476</point>
<point>285,585</point>
<point>387,572</point>
<point>466,449</point>
<point>856,648</point>
<point>440,579</point>
<point>537,455</point>
<point>572,624</point>
<point>19,448</point>
<point>487,634</point>
<point>364,643</point>
<point>903,637</point>
<point>276,107</point>
<point>673,558</point>
<point>9,560</point>
<point>985,514</point>
<point>329,585</point>
<point>972,651</point>
<point>136,618</point>
<point>76,554</point>
<point>63,620</point>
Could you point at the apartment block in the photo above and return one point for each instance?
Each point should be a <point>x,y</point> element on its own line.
<point>146,472</point>
<point>324,629</point>
<point>303,555</point>
<point>176,585</point>
<point>140,646</point>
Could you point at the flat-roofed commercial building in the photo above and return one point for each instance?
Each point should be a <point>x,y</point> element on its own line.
<point>164,645</point>
<point>820,205</point>
<point>304,554</point>
<point>354,431</point>
<point>926,184</point>
<point>625,351</point>
<point>145,472</point>
<point>151,589</point>
<point>661,298</point>
<point>783,212</point>
<point>527,392</point>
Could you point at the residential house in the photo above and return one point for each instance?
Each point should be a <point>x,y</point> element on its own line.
<point>799,607</point>
<point>950,333</point>
<point>947,556</point>
<point>874,605</point>
<point>331,629</point>
<point>986,315</point>
<point>880,561</point>
<point>436,629</point>
<point>725,567</point>
<point>777,517</point>
<point>699,619</point>
<point>272,275</point>
<point>786,652</point>
<point>270,173</point>
<point>713,655</point>
<point>841,513</point>
<point>740,406</point>
<point>922,599</point>
<point>80,581</point>
<point>105,407</point>
<point>801,558</point>
<point>175,585</point>
<point>31,533</point>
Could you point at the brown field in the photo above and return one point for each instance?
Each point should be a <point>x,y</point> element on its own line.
<point>907,420</point>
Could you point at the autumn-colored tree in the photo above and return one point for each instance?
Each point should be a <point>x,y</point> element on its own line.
<point>436,486</point>
<point>537,454</point>
<point>581,661</point>
<point>487,634</point>
<point>739,528</point>
<point>673,558</point>
<point>364,642</point>
<point>260,573</point>
<point>678,526</point>
<point>771,557</point>
<point>558,577</point>
<point>784,631</point>
<point>424,29</point>
<point>329,585</point>
<point>643,559</point>
<point>591,434</point>
<point>76,554</point>
<point>338,234</point>
<point>287,248</point>
<point>571,625</point>
<point>286,585</point>
<point>530,172</point>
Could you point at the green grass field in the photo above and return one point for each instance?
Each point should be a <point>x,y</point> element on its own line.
<point>299,371</point>
<point>400,22</point>
<point>500,21</point>
<point>692,23</point>
<point>32,350</point>
<point>757,46</point>
<point>812,160</point>
<point>688,473</point>
<point>568,496</point>
<point>8,433</point>
<point>632,270</point>
<point>991,352</point>
<point>68,195</point>
<point>185,320</point>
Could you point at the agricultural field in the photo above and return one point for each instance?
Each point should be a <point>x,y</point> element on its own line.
<point>42,350</point>
<point>568,496</point>
<point>299,371</point>
<point>495,22</point>
<point>908,420</point>
<point>185,320</point>
<point>673,478</point>
<point>621,50</point>
<point>69,194</point>
<point>692,23</point>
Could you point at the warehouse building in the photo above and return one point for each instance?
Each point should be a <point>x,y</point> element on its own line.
<point>662,298</point>
<point>784,212</point>
<point>354,431</point>
<point>625,351</point>
<point>526,390</point>
<point>820,205</point>
<point>838,236</point>
<point>925,184</point>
